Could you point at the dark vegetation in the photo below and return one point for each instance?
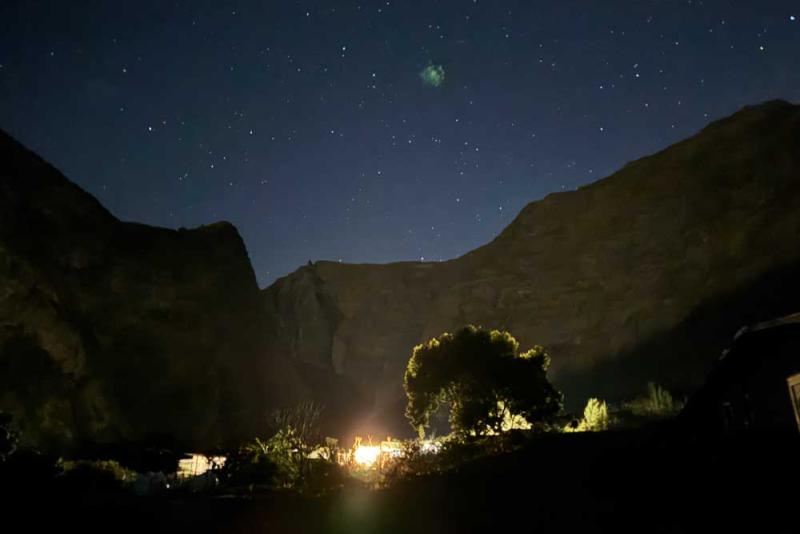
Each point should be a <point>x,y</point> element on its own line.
<point>120,332</point>
<point>483,378</point>
<point>8,437</point>
<point>588,482</point>
<point>152,342</point>
<point>285,460</point>
<point>626,467</point>
<point>644,275</point>
<point>641,276</point>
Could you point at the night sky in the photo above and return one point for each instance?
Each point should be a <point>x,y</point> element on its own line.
<point>372,131</point>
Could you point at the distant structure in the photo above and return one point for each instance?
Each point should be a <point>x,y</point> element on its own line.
<point>755,385</point>
<point>196,464</point>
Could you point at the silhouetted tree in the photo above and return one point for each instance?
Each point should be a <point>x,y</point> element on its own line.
<point>302,421</point>
<point>281,460</point>
<point>298,433</point>
<point>483,377</point>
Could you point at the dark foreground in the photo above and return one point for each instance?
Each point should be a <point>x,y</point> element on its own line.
<point>603,482</point>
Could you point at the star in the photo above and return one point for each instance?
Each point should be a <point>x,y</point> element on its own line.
<point>420,130</point>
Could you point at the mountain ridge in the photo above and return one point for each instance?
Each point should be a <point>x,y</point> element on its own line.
<point>103,320</point>
<point>643,275</point>
<point>591,273</point>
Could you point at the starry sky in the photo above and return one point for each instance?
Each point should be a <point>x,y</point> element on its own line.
<point>372,131</point>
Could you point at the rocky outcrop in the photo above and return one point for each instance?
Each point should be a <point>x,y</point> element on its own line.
<point>644,275</point>
<point>112,331</point>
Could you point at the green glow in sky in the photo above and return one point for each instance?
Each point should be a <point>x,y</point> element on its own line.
<point>432,75</point>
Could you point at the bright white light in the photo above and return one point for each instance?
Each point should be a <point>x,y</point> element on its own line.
<point>367,455</point>
<point>429,447</point>
<point>198,464</point>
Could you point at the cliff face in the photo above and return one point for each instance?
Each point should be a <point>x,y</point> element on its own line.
<point>115,331</point>
<point>644,275</point>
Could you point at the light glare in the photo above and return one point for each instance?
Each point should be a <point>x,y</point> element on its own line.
<point>367,455</point>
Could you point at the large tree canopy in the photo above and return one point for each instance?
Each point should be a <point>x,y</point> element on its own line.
<point>483,377</point>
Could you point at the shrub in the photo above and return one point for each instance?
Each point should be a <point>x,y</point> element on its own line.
<point>250,465</point>
<point>595,418</point>
<point>323,476</point>
<point>300,423</point>
<point>281,462</point>
<point>96,475</point>
<point>595,415</point>
<point>297,435</point>
<point>657,403</point>
<point>451,454</point>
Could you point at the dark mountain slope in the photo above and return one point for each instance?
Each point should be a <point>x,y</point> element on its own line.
<point>644,275</point>
<point>116,331</point>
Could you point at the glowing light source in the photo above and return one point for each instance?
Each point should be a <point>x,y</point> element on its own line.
<point>429,446</point>
<point>367,455</point>
<point>432,75</point>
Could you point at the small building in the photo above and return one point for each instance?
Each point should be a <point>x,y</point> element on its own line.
<point>755,385</point>
<point>196,464</point>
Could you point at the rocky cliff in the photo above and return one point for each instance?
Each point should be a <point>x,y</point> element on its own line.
<point>116,331</point>
<point>112,331</point>
<point>644,275</point>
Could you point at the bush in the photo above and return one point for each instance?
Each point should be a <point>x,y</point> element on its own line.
<point>251,465</point>
<point>415,462</point>
<point>323,476</point>
<point>595,418</point>
<point>657,403</point>
<point>280,462</point>
<point>452,452</point>
<point>300,424</point>
<point>595,415</point>
<point>297,436</point>
<point>96,475</point>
